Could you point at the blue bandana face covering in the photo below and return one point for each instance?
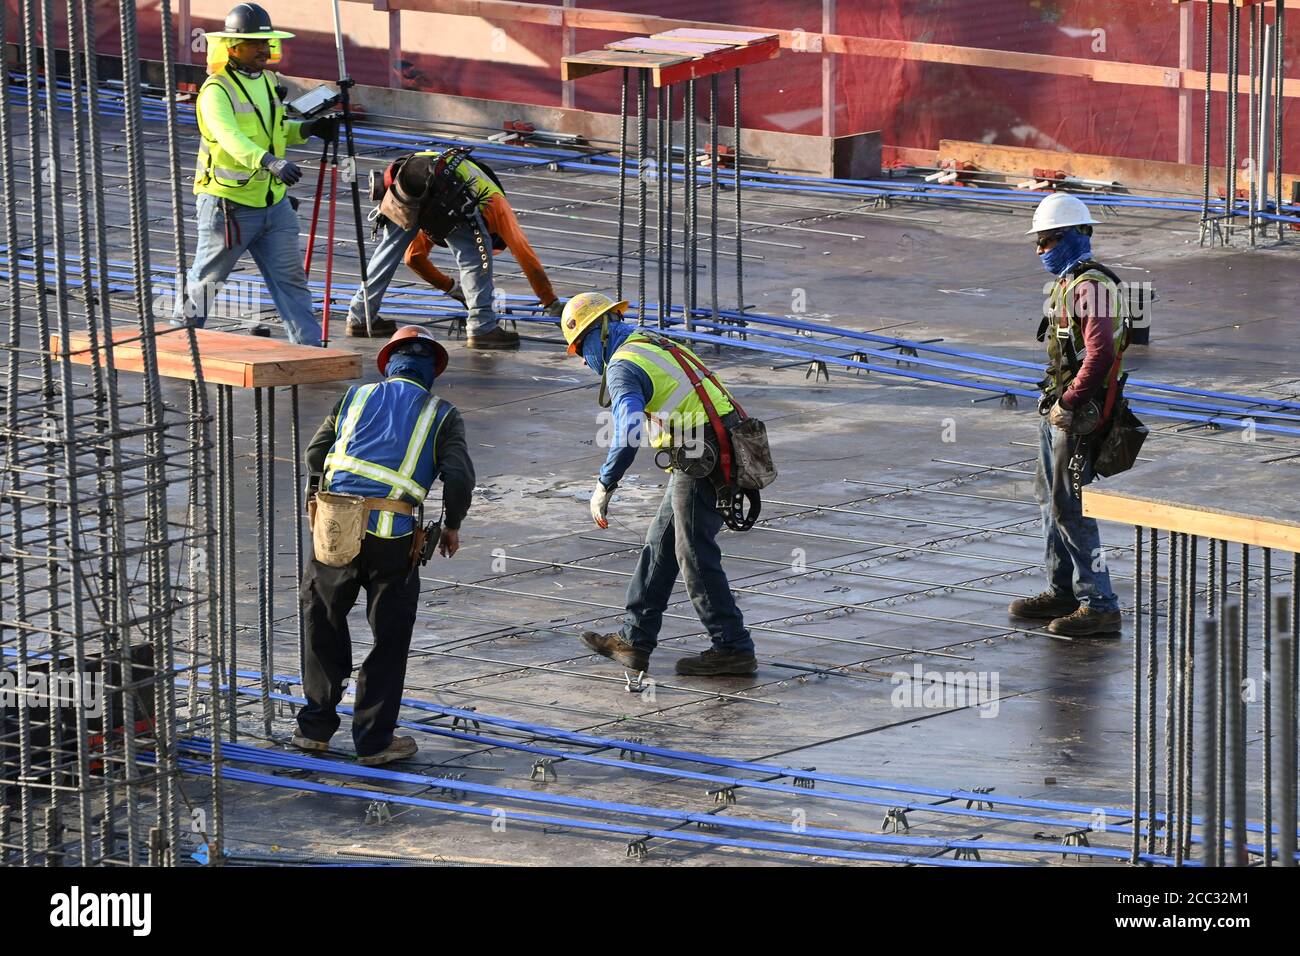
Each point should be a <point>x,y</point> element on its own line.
<point>1069,249</point>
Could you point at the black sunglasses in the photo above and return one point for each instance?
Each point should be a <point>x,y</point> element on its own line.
<point>1045,237</point>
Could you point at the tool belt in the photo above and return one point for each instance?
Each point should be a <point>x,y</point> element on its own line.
<point>446,200</point>
<point>338,524</point>
<point>737,460</point>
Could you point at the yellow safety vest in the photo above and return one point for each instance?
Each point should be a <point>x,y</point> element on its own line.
<point>674,407</point>
<point>218,172</point>
<point>1065,332</point>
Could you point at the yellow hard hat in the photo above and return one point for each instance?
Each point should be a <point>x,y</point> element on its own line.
<point>581,311</point>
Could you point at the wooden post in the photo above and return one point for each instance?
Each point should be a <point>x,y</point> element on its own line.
<point>1186,19</point>
<point>828,70</point>
<point>569,46</point>
<point>183,38</point>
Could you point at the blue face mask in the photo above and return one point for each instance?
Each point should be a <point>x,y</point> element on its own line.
<point>1072,247</point>
<point>419,368</point>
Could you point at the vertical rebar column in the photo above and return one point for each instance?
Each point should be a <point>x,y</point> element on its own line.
<point>713,196</point>
<point>1285,792</point>
<point>1234,59</point>
<point>1153,671</point>
<point>1171,662</point>
<point>1178,613</point>
<point>295,439</point>
<point>1251,125</point>
<point>1279,101</point>
<point>1236,737</point>
<point>668,206</point>
<point>263,555</point>
<point>1210,686</point>
<point>226,413</point>
<point>622,182</point>
<point>1266,681</point>
<point>691,211</point>
<point>663,234</point>
<point>268,662</point>
<point>735,160</point>
<point>1189,691</point>
<point>643,80</point>
<point>1220,724</point>
<point>1136,848</point>
<point>1209,74</point>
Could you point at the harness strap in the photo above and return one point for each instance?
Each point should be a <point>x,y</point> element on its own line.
<point>724,440</point>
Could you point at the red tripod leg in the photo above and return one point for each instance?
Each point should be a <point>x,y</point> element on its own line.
<point>329,249</point>
<point>315,210</point>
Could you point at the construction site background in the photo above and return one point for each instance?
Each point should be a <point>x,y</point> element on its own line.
<point>912,102</point>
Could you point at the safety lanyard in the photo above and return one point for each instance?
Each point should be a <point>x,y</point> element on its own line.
<point>724,440</point>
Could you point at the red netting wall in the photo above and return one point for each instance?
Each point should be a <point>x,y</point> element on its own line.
<point>914,103</point>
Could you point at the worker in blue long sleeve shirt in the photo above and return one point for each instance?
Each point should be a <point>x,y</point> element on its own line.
<point>649,391</point>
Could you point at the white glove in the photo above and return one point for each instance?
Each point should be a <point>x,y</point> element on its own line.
<point>1061,417</point>
<point>456,292</point>
<point>600,496</point>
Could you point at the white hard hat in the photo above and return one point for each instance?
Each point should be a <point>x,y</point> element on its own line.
<point>1058,211</point>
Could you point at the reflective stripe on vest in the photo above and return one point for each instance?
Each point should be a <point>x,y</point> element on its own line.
<point>401,480</point>
<point>1065,326</point>
<point>673,400</point>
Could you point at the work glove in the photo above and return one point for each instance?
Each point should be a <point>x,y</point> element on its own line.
<point>282,169</point>
<point>600,496</point>
<point>457,292</point>
<point>324,128</point>
<point>1061,417</point>
<point>555,309</point>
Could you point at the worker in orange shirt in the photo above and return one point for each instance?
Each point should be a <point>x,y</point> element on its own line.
<point>506,234</point>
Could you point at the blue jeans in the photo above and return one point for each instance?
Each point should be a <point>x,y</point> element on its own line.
<point>1075,561</point>
<point>682,537</point>
<point>270,235</point>
<point>471,246</point>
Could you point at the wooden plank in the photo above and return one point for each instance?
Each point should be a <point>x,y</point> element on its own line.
<point>1127,508</point>
<point>657,45</point>
<point>728,59</point>
<point>728,37</point>
<point>599,61</point>
<point>1137,174</point>
<point>242,361</point>
<point>1101,71</point>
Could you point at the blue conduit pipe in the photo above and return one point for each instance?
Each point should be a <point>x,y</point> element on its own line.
<point>534,156</point>
<point>243,754</point>
<point>584,739</point>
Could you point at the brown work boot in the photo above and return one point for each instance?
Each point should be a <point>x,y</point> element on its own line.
<point>303,742</point>
<point>1086,622</point>
<point>498,338</point>
<point>1044,607</point>
<point>399,749</point>
<point>716,663</point>
<point>379,328</point>
<point>616,649</point>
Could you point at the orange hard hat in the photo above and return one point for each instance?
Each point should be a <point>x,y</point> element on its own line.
<point>412,333</point>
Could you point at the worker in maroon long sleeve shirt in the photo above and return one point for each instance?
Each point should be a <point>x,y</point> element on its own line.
<point>1085,330</point>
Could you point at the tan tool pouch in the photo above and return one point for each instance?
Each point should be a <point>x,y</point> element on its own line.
<point>338,524</point>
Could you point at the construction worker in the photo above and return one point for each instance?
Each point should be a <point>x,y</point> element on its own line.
<point>385,442</point>
<point>1085,330</point>
<point>644,380</point>
<point>436,181</point>
<point>242,174</point>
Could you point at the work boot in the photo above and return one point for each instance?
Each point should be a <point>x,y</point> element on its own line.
<point>498,338</point>
<point>1044,607</point>
<point>616,649</point>
<point>1087,622</point>
<point>379,328</point>
<point>716,663</point>
<point>399,749</point>
<point>303,742</point>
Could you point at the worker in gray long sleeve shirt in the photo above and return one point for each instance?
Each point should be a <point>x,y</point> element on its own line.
<point>385,442</point>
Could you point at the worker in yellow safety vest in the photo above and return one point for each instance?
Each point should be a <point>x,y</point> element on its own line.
<point>647,380</point>
<point>242,176</point>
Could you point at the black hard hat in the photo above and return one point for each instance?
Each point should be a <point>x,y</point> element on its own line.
<point>249,21</point>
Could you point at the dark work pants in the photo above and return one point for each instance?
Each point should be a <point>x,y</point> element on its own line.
<point>383,568</point>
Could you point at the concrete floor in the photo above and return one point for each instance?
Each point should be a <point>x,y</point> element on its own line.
<point>508,645</point>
